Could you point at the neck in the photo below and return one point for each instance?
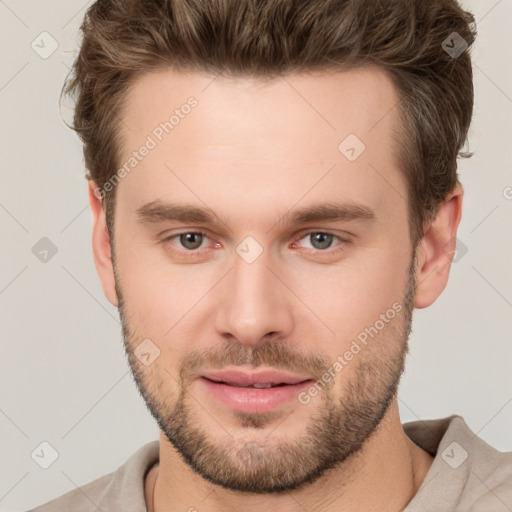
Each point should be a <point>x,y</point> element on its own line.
<point>384,475</point>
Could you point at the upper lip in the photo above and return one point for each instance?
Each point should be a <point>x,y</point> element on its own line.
<point>247,378</point>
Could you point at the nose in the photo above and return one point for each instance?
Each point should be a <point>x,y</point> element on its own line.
<point>254,303</point>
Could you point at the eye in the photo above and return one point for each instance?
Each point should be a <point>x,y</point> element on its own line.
<point>322,240</point>
<point>190,240</point>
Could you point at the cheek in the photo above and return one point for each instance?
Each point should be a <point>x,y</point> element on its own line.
<point>156,294</point>
<point>331,302</point>
<point>366,311</point>
<point>352,295</point>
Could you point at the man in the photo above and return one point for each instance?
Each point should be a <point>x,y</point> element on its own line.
<point>274,190</point>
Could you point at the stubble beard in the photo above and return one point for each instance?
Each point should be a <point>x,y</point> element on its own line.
<point>251,463</point>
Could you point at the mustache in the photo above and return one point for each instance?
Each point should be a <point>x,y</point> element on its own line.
<point>277,355</point>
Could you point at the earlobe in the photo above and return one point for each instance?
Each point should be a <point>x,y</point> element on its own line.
<point>101,245</point>
<point>436,250</point>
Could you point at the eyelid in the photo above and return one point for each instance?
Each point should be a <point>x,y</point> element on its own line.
<point>298,237</point>
<point>309,231</point>
<point>186,232</point>
<point>329,250</point>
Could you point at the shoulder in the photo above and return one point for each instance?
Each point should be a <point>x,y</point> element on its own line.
<point>81,499</point>
<point>467,473</point>
<point>489,483</point>
<point>121,490</point>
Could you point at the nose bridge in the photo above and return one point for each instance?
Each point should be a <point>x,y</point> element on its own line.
<point>254,303</point>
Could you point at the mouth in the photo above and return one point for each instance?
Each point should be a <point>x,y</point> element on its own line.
<point>261,379</point>
<point>251,392</point>
<point>256,385</point>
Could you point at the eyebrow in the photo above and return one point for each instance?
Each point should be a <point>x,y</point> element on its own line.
<point>158,211</point>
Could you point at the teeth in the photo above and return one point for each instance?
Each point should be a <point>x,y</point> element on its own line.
<point>256,385</point>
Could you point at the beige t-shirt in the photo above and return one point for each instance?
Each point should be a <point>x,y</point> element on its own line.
<point>467,475</point>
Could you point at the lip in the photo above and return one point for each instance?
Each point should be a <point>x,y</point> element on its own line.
<point>246,378</point>
<point>244,399</point>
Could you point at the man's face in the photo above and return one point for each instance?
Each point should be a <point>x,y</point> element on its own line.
<point>256,288</point>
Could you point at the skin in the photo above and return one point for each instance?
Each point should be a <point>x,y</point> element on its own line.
<point>252,151</point>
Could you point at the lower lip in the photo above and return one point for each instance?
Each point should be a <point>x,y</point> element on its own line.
<point>254,400</point>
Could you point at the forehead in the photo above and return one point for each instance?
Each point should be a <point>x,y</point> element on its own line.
<point>265,139</point>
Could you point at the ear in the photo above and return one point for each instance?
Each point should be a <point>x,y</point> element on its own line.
<point>101,244</point>
<point>436,250</point>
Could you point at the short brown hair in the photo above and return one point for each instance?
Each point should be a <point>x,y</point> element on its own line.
<point>408,39</point>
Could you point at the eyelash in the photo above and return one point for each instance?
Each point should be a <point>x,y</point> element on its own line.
<point>330,251</point>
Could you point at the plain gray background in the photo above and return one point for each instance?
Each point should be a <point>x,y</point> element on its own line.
<point>64,377</point>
